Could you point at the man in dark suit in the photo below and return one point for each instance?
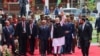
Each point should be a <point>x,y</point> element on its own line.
<point>8,32</point>
<point>32,33</point>
<point>22,4</point>
<point>21,32</point>
<point>85,38</point>
<point>44,34</point>
<point>97,26</point>
<point>89,23</point>
<point>69,30</point>
<point>14,24</point>
<point>49,49</point>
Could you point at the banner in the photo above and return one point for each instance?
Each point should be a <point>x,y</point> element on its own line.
<point>43,1</point>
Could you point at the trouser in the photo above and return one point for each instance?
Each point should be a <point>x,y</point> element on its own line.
<point>23,11</point>
<point>68,44</point>
<point>23,44</point>
<point>78,43</point>
<point>43,46</point>
<point>57,49</point>
<point>32,44</point>
<point>49,47</point>
<point>85,44</point>
<point>98,36</point>
<point>74,42</point>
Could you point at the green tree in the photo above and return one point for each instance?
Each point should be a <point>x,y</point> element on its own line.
<point>91,4</point>
<point>92,1</point>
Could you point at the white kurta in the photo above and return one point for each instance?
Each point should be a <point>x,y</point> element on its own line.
<point>58,41</point>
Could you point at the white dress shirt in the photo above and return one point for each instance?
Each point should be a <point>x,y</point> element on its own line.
<point>31,27</point>
<point>83,26</point>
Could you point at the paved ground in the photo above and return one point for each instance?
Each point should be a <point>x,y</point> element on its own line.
<point>94,44</point>
<point>94,51</point>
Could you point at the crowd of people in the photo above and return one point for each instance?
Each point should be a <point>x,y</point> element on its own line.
<point>57,36</point>
<point>53,36</point>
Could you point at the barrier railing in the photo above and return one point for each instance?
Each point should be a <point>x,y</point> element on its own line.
<point>13,7</point>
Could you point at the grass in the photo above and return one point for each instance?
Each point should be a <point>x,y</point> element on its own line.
<point>94,37</point>
<point>94,40</point>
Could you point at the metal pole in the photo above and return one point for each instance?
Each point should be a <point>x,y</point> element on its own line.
<point>71,3</point>
<point>68,4</point>
<point>81,3</point>
<point>47,3</point>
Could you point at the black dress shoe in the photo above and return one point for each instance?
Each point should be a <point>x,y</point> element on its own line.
<point>54,54</point>
<point>49,53</point>
<point>59,54</point>
<point>69,53</point>
<point>73,51</point>
<point>31,53</point>
<point>23,55</point>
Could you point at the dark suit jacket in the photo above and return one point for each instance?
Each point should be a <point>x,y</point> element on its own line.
<point>69,27</point>
<point>14,26</point>
<point>7,33</point>
<point>19,29</point>
<point>34,30</point>
<point>97,24</point>
<point>91,28</point>
<point>84,34</point>
<point>44,33</point>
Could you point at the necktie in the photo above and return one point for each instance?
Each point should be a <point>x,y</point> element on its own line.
<point>23,24</point>
<point>8,29</point>
<point>31,28</point>
<point>24,27</point>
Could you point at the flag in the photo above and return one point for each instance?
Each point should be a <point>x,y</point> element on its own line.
<point>43,1</point>
<point>58,2</point>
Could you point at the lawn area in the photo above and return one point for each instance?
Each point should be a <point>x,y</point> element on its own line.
<point>94,38</point>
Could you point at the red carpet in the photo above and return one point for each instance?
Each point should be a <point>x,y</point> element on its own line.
<point>94,51</point>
